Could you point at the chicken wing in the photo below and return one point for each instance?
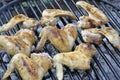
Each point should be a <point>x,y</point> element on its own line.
<point>78,59</point>
<point>96,17</point>
<point>112,35</point>
<point>48,16</point>
<point>63,39</point>
<point>92,35</point>
<point>21,42</point>
<point>33,68</point>
<point>20,18</point>
<point>96,36</point>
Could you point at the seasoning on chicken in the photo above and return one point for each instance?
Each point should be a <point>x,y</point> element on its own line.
<point>31,24</point>
<point>92,35</point>
<point>78,59</point>
<point>112,35</point>
<point>21,42</point>
<point>33,68</point>
<point>20,18</point>
<point>48,16</point>
<point>63,39</point>
<point>96,17</point>
<point>48,21</point>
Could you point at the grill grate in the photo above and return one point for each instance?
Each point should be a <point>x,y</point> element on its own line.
<point>105,65</point>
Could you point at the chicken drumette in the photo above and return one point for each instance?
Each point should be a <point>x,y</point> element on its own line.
<point>96,36</point>
<point>63,39</point>
<point>96,17</point>
<point>48,16</point>
<point>78,59</point>
<point>92,35</point>
<point>33,68</point>
<point>28,23</point>
<point>21,42</point>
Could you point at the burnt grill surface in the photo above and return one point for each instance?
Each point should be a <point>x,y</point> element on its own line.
<point>105,65</point>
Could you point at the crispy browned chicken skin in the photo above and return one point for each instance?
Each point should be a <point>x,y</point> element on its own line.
<point>96,17</point>
<point>78,59</point>
<point>33,68</point>
<point>63,39</point>
<point>48,16</point>
<point>29,23</point>
<point>21,42</point>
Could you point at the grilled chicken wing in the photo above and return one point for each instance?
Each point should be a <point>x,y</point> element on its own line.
<point>29,22</point>
<point>112,36</point>
<point>96,17</point>
<point>15,20</point>
<point>33,68</point>
<point>78,59</point>
<point>96,36</point>
<point>63,39</point>
<point>92,35</point>
<point>21,42</point>
<point>48,16</point>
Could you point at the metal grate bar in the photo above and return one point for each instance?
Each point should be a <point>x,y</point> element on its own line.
<point>66,22</point>
<point>101,68</point>
<point>74,3</point>
<point>3,33</point>
<point>112,17</point>
<point>37,6</point>
<point>109,64</point>
<point>8,5</point>
<point>70,8</point>
<point>98,75</point>
<point>33,10</point>
<point>22,9</point>
<point>111,5</point>
<point>116,12</point>
<point>113,56</point>
<point>3,64</point>
<point>11,15</point>
<point>6,19</point>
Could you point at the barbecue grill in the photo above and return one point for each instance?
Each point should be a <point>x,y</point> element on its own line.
<point>105,65</point>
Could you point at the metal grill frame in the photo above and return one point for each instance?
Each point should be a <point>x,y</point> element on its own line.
<point>105,65</point>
